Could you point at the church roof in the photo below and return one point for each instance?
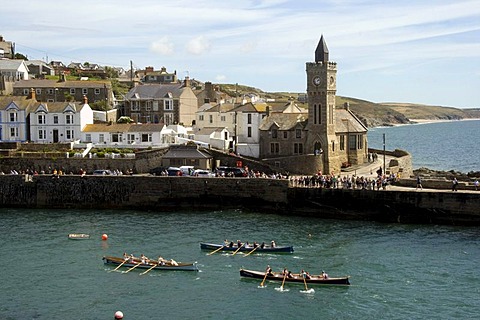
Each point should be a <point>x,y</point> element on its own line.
<point>321,53</point>
<point>284,121</point>
<point>346,121</point>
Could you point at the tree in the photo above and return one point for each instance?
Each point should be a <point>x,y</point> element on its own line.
<point>20,56</point>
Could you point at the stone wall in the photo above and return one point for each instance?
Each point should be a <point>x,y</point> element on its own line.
<point>261,195</point>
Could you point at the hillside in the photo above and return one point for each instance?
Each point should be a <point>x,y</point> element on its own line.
<point>370,113</point>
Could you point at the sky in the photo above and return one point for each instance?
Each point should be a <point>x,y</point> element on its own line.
<point>409,51</point>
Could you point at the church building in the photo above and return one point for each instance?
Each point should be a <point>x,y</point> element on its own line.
<point>326,138</point>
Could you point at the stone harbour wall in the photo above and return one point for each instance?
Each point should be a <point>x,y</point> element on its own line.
<point>261,195</point>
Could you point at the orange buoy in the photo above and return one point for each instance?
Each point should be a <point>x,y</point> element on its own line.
<point>104,237</point>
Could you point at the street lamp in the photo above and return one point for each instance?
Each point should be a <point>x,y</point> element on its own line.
<point>384,172</point>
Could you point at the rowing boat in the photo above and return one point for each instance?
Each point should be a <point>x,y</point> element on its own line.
<point>296,278</point>
<point>270,249</point>
<point>167,265</point>
<point>78,236</point>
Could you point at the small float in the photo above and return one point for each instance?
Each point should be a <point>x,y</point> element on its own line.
<point>78,236</point>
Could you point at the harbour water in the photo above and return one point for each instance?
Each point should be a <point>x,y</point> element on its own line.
<point>397,271</point>
<point>451,145</point>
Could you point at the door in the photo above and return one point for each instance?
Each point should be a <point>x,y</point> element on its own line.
<point>55,135</point>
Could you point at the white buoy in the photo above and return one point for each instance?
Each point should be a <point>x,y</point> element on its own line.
<point>119,315</point>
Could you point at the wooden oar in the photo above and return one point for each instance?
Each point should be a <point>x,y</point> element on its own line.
<point>251,251</point>
<point>121,264</point>
<point>283,282</point>
<point>305,281</point>
<point>133,267</point>
<point>216,250</point>
<point>263,281</point>
<point>235,252</point>
<point>156,264</point>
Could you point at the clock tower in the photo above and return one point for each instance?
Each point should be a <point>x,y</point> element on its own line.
<point>321,91</point>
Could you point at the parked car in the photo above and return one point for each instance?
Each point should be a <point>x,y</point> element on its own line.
<point>203,173</point>
<point>102,172</point>
<point>174,171</point>
<point>187,170</point>
<point>158,171</point>
<point>231,172</point>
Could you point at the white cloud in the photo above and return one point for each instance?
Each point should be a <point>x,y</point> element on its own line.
<point>198,45</point>
<point>221,78</point>
<point>162,46</point>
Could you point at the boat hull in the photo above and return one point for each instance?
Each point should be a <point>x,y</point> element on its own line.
<point>279,249</point>
<point>78,236</point>
<point>182,266</point>
<point>297,278</point>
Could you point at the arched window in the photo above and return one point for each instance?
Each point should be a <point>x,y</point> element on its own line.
<point>317,148</point>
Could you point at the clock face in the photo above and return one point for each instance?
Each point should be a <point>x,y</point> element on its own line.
<point>317,81</point>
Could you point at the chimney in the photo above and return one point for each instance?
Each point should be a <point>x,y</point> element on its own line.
<point>148,69</point>
<point>32,94</point>
<point>268,111</point>
<point>346,105</point>
<point>85,100</point>
<point>186,83</point>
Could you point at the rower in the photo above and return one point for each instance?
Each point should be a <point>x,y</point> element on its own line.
<point>269,271</point>
<point>161,261</point>
<point>324,275</point>
<point>272,244</point>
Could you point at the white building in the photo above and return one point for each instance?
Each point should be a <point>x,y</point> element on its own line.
<point>15,70</point>
<point>59,121</point>
<point>13,118</point>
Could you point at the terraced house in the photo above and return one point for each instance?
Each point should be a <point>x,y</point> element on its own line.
<point>161,103</point>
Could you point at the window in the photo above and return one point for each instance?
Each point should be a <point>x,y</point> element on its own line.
<point>274,148</point>
<point>298,148</point>
<point>249,132</point>
<point>101,137</point>
<point>210,118</point>
<point>42,134</point>
<point>97,91</point>
<point>342,142</point>
<point>13,132</point>
<point>50,91</point>
<point>69,119</point>
<point>148,106</point>
<point>168,104</point>
<point>146,137</point>
<point>200,117</point>
<point>352,142</point>
<point>135,106</point>
<point>130,138</point>
<point>41,119</point>
<point>155,105</point>
<point>274,133</point>
<point>84,91</point>
<point>298,133</point>
<point>330,114</point>
<point>285,134</point>
<point>55,119</point>
<point>359,142</point>
<point>249,118</point>
<point>88,137</point>
<point>38,91</point>
<point>72,90</point>
<point>116,137</point>
<point>168,118</point>
<point>222,118</point>
<point>69,134</point>
<point>13,116</point>
<point>26,92</point>
<point>317,114</point>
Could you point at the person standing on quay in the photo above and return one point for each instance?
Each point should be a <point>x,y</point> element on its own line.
<point>419,183</point>
<point>454,184</point>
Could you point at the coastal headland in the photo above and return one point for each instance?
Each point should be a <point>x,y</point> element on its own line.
<point>151,193</point>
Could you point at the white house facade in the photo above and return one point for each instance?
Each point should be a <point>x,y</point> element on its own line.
<point>13,118</point>
<point>59,121</point>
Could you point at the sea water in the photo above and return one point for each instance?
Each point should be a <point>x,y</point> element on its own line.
<point>451,145</point>
<point>397,271</point>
